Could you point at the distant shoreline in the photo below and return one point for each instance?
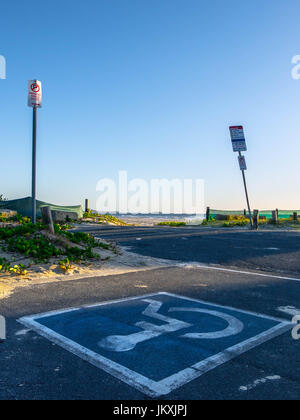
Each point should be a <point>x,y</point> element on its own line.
<point>154,219</point>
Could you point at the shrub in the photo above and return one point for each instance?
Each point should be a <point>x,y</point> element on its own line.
<point>237,223</point>
<point>100,218</point>
<point>240,218</point>
<point>173,224</point>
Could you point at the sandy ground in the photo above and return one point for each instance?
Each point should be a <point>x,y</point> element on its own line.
<point>120,263</point>
<point>110,263</point>
<point>123,262</point>
<point>150,221</point>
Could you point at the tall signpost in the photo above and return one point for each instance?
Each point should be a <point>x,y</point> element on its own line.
<point>239,145</point>
<point>35,102</point>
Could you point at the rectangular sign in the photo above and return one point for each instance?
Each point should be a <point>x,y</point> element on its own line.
<point>34,94</point>
<point>242,163</point>
<point>238,138</point>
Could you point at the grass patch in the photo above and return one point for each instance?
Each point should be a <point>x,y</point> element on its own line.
<point>172,224</point>
<point>241,221</point>
<point>82,238</point>
<point>236,223</point>
<point>31,241</point>
<point>5,266</point>
<point>104,218</point>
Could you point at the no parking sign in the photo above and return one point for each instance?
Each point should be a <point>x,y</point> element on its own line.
<point>34,94</point>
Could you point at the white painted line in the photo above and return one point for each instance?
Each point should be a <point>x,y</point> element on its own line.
<point>290,310</point>
<point>140,382</point>
<point>257,249</point>
<point>199,369</point>
<point>249,273</point>
<point>126,299</point>
<point>22,332</point>
<point>271,318</point>
<point>147,386</point>
<point>63,311</point>
<point>258,382</point>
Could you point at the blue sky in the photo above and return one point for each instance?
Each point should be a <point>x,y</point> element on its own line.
<point>151,86</point>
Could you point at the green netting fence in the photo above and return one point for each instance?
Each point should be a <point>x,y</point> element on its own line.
<point>24,207</point>
<point>282,214</point>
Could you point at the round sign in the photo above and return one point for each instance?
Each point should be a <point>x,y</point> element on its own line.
<point>35,87</point>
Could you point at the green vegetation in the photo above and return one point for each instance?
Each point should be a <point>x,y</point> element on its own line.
<point>65,265</point>
<point>236,223</point>
<point>104,218</point>
<point>227,221</point>
<point>5,266</point>
<point>172,224</point>
<point>34,245</point>
<point>283,223</point>
<point>81,238</point>
<point>241,221</point>
<point>15,219</point>
<point>32,241</point>
<point>236,218</point>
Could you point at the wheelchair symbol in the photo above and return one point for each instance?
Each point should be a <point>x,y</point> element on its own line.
<point>123,343</point>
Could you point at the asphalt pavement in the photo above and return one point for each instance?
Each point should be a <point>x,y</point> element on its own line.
<point>252,286</point>
<point>268,250</point>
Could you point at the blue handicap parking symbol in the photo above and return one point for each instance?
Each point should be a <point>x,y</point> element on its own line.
<point>156,342</point>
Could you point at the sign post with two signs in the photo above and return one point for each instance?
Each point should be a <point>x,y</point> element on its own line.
<point>239,145</point>
<point>35,102</point>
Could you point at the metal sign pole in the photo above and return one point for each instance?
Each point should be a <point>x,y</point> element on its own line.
<point>239,145</point>
<point>34,102</point>
<point>246,192</point>
<point>33,194</point>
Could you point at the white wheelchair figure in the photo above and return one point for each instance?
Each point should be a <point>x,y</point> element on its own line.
<point>124,343</point>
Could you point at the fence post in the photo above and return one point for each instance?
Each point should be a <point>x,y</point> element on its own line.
<point>208,214</point>
<point>47,218</point>
<point>87,205</point>
<point>275,217</point>
<point>256,218</point>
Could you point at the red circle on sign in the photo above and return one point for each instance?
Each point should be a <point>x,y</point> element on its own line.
<point>35,87</point>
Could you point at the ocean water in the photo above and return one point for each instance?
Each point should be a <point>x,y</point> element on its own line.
<point>190,219</point>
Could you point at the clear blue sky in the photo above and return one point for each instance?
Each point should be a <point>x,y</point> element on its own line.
<point>151,86</point>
